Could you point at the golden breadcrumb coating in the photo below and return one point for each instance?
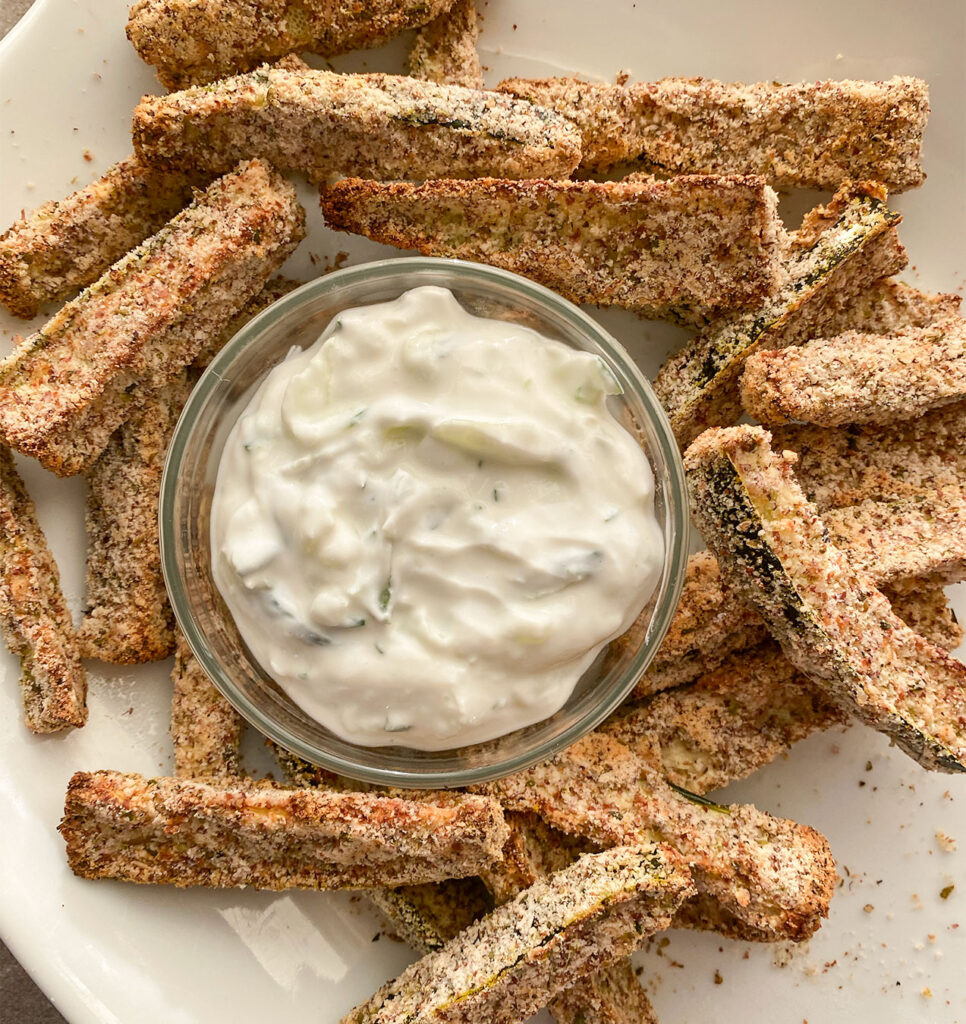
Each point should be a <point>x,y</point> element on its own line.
<point>127,619</point>
<point>698,386</point>
<point>831,621</point>
<point>848,465</point>
<point>445,50</point>
<point>858,377</point>
<point>34,616</point>
<point>508,965</point>
<point>808,134</point>
<point>679,249</point>
<point>205,729</point>
<point>187,832</point>
<point>428,916</point>
<point>66,389</point>
<point>377,126</point>
<point>67,244</point>
<point>772,874</point>
<point>191,42</point>
<point>888,306</point>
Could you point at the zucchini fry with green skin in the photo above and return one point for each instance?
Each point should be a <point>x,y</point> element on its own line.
<point>428,916</point>
<point>34,616</point>
<point>205,728</point>
<point>66,389</point>
<point>534,851</point>
<point>921,537</point>
<point>187,832</point>
<point>679,249</point>
<point>127,618</point>
<point>445,50</point>
<point>506,966</point>
<point>191,42</point>
<point>754,706</point>
<point>832,623</point>
<point>378,126</point>
<point>804,135</point>
<point>772,874</point>
<point>849,465</point>
<point>67,244</point>
<point>698,386</point>
<point>858,377</point>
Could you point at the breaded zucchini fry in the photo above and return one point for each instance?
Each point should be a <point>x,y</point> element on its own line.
<point>127,618</point>
<point>270,294</point>
<point>377,126</point>
<point>508,965</point>
<point>611,996</point>
<point>698,386</point>
<point>34,616</point>
<point>186,832</point>
<point>66,389</point>
<point>191,42</point>
<point>428,916</point>
<point>678,249</point>
<point>859,378</point>
<point>772,874</point>
<point>888,306</point>
<point>831,621</point>
<point>66,245</point>
<point>811,134</point>
<point>922,537</point>
<point>445,50</point>
<point>729,723</point>
<point>849,465</point>
<point>924,607</point>
<point>205,728</point>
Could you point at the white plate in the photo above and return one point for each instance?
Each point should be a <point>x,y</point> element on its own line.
<point>114,952</point>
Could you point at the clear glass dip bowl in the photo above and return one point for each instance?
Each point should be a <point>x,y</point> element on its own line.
<point>189,481</point>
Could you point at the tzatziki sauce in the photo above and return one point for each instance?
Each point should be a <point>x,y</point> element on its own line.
<point>427,525</point>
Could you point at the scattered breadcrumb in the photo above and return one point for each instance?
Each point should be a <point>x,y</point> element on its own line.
<point>945,842</point>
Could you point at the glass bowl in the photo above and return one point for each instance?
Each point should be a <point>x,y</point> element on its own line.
<point>189,480</point>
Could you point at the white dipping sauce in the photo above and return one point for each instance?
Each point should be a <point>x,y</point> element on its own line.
<point>427,525</point>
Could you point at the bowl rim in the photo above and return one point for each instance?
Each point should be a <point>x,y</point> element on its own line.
<point>676,545</point>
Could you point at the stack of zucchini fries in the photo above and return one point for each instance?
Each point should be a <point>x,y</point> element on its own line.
<point>831,536</point>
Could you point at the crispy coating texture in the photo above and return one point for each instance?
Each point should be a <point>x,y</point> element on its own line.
<point>534,850</point>
<point>34,616</point>
<point>888,306</point>
<point>731,722</point>
<point>428,916</point>
<point>192,42</point>
<point>445,50</point>
<point>698,386</point>
<point>679,249</point>
<point>66,389</point>
<point>67,244</point>
<point>188,832</point>
<point>274,290</point>
<point>924,607</point>
<point>377,126</point>
<point>809,134</point>
<point>508,965</point>
<point>858,377</point>
<point>849,465</point>
<point>921,537</point>
<point>205,728</point>
<point>127,618</point>
<point>831,621</point>
<point>774,875</point>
